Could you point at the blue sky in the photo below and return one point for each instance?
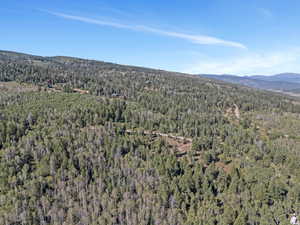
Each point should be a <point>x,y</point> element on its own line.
<point>209,36</point>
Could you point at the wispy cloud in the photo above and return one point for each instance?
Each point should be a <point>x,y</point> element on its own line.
<point>265,12</point>
<point>197,39</point>
<point>266,64</point>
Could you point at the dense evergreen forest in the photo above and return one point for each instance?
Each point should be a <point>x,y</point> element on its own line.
<point>84,142</point>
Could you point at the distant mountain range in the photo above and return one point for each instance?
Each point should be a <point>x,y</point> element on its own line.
<point>284,82</point>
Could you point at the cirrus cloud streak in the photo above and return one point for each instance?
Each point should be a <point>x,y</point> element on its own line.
<point>197,39</point>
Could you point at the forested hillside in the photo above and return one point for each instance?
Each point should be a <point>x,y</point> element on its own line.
<point>87,142</point>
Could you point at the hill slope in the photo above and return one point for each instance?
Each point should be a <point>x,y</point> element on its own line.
<point>141,146</point>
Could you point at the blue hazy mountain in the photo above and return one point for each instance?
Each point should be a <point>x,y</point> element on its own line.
<point>289,82</point>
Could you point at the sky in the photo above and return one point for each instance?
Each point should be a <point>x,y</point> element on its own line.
<point>257,37</point>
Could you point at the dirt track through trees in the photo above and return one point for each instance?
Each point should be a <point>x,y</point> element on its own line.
<point>181,144</point>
